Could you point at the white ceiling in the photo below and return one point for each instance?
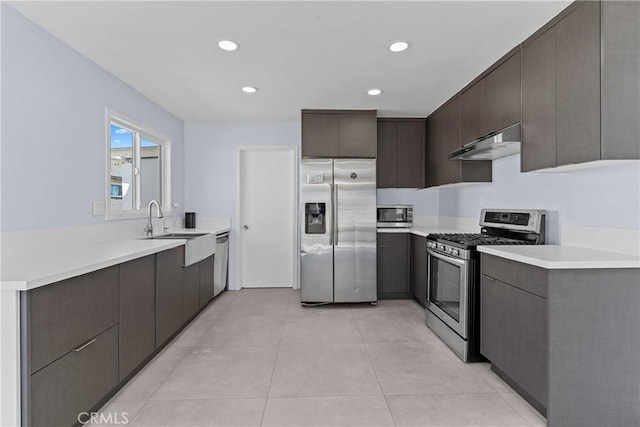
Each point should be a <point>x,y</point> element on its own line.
<point>300,54</point>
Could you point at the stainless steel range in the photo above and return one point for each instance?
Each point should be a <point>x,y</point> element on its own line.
<point>453,277</point>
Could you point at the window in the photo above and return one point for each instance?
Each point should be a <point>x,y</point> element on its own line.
<point>138,168</point>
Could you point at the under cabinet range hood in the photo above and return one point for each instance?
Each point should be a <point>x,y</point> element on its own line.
<point>492,146</point>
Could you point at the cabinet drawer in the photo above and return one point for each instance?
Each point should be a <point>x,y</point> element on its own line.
<point>64,315</point>
<point>526,277</point>
<point>75,383</point>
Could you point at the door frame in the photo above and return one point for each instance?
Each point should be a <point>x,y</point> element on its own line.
<point>237,215</point>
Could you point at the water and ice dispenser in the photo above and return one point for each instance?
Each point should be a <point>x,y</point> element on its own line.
<point>315,218</point>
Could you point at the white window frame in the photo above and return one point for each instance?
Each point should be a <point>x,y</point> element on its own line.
<point>141,131</point>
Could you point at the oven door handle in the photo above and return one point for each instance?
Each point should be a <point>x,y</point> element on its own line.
<point>456,261</point>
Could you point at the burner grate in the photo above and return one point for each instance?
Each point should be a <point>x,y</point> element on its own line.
<point>475,239</point>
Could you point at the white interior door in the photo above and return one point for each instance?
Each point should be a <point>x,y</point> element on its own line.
<point>267,217</point>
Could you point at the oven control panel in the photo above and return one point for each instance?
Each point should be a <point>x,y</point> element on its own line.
<point>444,249</point>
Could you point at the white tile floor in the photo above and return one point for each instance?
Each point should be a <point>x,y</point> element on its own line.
<point>256,357</point>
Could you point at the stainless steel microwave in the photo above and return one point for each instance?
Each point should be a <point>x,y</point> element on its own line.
<point>392,216</point>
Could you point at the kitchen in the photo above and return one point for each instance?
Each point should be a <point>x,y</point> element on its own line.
<point>53,93</point>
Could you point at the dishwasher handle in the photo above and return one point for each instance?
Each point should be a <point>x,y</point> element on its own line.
<point>222,238</point>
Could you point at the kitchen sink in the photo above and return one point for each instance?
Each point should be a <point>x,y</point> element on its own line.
<point>179,236</point>
<point>198,246</point>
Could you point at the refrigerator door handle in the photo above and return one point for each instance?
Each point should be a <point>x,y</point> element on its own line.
<point>335,215</point>
<point>332,211</point>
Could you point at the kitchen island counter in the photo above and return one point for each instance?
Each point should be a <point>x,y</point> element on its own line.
<point>559,257</point>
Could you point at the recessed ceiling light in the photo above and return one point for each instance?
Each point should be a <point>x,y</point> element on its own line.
<point>249,89</point>
<point>374,92</point>
<point>227,45</point>
<point>398,46</point>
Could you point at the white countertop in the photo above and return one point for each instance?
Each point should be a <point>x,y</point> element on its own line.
<point>35,270</point>
<point>207,230</point>
<point>423,231</point>
<point>557,257</point>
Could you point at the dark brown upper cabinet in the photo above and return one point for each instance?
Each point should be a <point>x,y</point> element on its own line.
<point>386,162</point>
<point>538,148</point>
<point>401,145</point>
<point>320,134</point>
<point>503,94</point>
<point>492,103</point>
<point>473,112</point>
<point>580,80</point>
<point>339,133</point>
<point>443,137</point>
<point>620,102</point>
<point>578,86</point>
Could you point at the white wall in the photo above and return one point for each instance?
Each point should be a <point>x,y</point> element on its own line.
<point>53,103</point>
<point>607,197</point>
<point>211,158</point>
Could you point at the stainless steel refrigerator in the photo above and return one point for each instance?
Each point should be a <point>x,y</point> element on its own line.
<point>338,235</point>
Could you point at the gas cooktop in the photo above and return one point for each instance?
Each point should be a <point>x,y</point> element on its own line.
<point>499,227</point>
<point>471,240</point>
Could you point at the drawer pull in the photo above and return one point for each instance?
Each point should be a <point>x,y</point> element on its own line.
<point>82,347</point>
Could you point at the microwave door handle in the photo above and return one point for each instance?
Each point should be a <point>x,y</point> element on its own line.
<point>456,261</point>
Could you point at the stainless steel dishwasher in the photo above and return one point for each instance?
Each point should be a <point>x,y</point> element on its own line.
<point>221,263</point>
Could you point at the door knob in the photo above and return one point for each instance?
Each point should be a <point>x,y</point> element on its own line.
<point>246,227</point>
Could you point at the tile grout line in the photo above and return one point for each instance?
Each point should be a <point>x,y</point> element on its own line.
<point>275,361</point>
<point>155,390</point>
<point>374,370</point>
<point>170,345</point>
<point>516,409</point>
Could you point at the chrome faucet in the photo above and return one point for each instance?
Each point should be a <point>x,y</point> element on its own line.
<point>149,228</point>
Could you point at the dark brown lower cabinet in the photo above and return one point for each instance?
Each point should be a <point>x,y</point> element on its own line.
<point>567,340</point>
<point>513,336</point>
<point>137,335</point>
<point>206,280</point>
<point>191,292</point>
<point>419,268</point>
<point>169,305</point>
<point>393,266</point>
<point>75,383</point>
<point>83,337</point>
<point>61,316</point>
